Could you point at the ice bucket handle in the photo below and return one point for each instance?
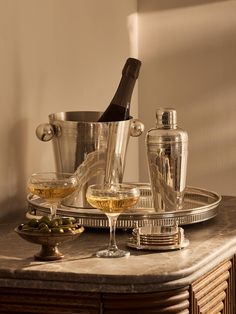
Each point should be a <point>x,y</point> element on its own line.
<point>136,128</point>
<point>46,131</point>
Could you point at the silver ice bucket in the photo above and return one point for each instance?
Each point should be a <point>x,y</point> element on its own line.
<point>95,151</point>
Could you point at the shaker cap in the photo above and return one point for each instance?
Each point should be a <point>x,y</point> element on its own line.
<point>166,117</point>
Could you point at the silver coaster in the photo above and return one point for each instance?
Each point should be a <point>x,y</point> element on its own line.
<point>159,238</point>
<point>134,245</point>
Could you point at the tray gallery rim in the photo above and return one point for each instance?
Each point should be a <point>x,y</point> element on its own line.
<point>138,216</point>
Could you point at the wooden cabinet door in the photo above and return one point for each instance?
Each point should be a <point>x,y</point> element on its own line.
<point>214,293</point>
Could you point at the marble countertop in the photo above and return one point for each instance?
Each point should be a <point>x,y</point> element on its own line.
<point>210,243</point>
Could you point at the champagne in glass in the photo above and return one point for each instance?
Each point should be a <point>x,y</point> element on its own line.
<point>52,187</point>
<point>112,199</point>
<point>112,204</point>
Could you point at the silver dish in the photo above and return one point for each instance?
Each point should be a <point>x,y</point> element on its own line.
<point>49,242</point>
<point>199,205</point>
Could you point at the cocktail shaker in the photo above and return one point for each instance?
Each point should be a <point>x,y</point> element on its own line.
<point>167,153</point>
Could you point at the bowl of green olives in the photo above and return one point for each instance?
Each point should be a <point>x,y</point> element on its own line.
<point>49,233</point>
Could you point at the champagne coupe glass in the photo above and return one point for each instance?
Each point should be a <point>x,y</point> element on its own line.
<point>112,199</point>
<point>52,187</point>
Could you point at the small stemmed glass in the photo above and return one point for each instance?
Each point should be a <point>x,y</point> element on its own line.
<point>112,199</point>
<point>52,187</point>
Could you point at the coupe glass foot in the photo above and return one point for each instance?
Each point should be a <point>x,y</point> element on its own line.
<point>112,253</point>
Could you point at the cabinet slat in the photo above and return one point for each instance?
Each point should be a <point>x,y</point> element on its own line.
<point>211,286</point>
<point>208,278</point>
<point>217,293</point>
<point>213,303</point>
<point>217,309</point>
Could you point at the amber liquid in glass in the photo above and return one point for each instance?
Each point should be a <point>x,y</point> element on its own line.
<point>112,204</point>
<point>51,191</point>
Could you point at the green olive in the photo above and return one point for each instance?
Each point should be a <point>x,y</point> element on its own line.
<point>54,224</point>
<point>46,220</point>
<point>44,229</point>
<point>67,229</point>
<point>33,223</point>
<point>68,220</point>
<point>59,220</point>
<point>57,230</point>
<point>27,228</point>
<point>42,225</point>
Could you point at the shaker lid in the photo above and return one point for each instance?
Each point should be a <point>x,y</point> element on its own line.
<point>166,117</point>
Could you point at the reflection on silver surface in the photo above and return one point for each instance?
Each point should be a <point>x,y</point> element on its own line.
<point>158,238</point>
<point>167,150</point>
<point>133,244</point>
<point>199,205</point>
<point>95,151</point>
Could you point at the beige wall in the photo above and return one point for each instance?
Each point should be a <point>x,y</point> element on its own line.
<point>56,55</point>
<point>188,49</point>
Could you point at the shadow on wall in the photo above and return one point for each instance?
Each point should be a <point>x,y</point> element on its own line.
<point>14,126</point>
<point>15,197</point>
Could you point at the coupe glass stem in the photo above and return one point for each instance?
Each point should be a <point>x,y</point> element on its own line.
<point>53,210</point>
<point>112,224</point>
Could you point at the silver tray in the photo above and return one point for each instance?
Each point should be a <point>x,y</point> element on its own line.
<point>199,205</point>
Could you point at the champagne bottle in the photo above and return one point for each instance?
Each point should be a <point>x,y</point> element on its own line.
<point>118,109</point>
